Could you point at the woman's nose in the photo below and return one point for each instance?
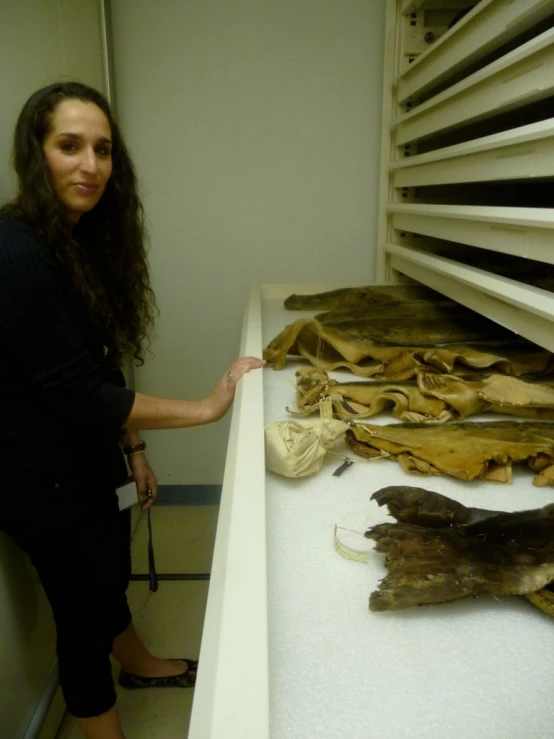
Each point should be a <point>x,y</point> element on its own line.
<point>89,161</point>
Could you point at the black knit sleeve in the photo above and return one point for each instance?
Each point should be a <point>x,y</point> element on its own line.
<point>40,336</point>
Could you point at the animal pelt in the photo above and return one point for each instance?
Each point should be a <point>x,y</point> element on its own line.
<point>418,331</point>
<point>430,399</point>
<point>441,551</point>
<point>467,450</point>
<point>329,348</point>
<point>360,298</point>
<point>406,309</point>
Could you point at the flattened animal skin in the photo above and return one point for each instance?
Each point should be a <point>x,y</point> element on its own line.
<point>426,325</point>
<point>467,451</point>
<point>442,308</point>
<point>431,399</point>
<point>329,348</point>
<point>357,400</point>
<point>425,331</point>
<point>360,298</point>
<point>441,551</point>
<point>432,309</point>
<point>464,450</point>
<point>495,394</point>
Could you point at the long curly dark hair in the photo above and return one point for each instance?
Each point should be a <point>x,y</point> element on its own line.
<point>105,253</point>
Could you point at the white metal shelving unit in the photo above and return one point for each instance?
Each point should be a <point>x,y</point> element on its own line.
<point>489,25</point>
<point>521,153</point>
<point>491,66</point>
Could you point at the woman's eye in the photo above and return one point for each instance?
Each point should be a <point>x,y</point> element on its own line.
<point>68,146</point>
<point>103,152</point>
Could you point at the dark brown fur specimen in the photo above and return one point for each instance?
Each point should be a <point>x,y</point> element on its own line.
<point>441,551</point>
<point>404,309</point>
<point>360,298</point>
<point>425,331</point>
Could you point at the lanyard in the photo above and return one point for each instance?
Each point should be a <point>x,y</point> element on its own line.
<point>152,574</point>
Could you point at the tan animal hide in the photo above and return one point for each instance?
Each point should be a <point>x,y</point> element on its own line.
<point>463,450</point>
<point>329,348</point>
<point>431,399</point>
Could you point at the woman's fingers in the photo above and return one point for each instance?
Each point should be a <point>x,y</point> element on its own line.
<point>149,495</point>
<point>241,366</point>
<point>148,499</point>
<point>145,479</point>
<point>220,399</point>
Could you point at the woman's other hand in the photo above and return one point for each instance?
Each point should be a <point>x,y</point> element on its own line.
<point>221,397</point>
<point>145,480</point>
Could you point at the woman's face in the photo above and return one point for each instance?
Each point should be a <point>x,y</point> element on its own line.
<point>78,152</point>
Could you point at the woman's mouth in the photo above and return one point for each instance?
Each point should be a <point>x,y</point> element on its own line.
<point>85,188</point>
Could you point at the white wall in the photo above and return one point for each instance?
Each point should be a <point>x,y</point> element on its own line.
<point>254,126</point>
<point>42,41</point>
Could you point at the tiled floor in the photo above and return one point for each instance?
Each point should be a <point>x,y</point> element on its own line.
<point>169,621</point>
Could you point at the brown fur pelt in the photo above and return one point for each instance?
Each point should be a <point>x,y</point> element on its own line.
<point>407,309</point>
<point>360,298</point>
<point>440,551</point>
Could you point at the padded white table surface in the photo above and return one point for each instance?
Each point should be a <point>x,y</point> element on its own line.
<point>478,668</point>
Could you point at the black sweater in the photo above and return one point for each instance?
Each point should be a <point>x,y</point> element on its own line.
<point>62,405</point>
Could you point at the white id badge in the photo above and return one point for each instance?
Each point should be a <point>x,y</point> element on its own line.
<point>127,494</point>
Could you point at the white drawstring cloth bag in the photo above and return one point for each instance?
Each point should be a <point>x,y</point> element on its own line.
<point>297,449</point>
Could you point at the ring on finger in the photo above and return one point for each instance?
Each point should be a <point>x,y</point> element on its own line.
<point>229,375</point>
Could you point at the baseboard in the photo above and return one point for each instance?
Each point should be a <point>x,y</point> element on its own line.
<point>189,495</point>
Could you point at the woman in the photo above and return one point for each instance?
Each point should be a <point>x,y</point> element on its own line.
<point>75,299</point>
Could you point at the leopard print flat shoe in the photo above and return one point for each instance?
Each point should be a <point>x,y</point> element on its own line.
<point>187,679</point>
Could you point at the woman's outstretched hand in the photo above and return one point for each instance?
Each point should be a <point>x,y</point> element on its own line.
<point>221,397</point>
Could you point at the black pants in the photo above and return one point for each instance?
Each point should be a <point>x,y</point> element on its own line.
<point>85,571</point>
